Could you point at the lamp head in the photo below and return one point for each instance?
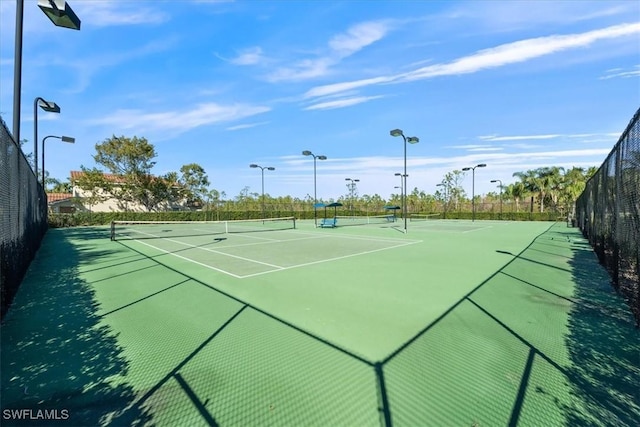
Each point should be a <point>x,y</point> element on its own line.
<point>253,165</point>
<point>481,165</point>
<point>49,106</point>
<point>271,168</point>
<point>413,140</point>
<point>439,185</point>
<point>356,180</point>
<point>397,174</point>
<point>396,132</point>
<point>494,180</point>
<point>322,157</point>
<point>68,139</point>
<point>466,169</point>
<point>60,13</point>
<point>307,153</point>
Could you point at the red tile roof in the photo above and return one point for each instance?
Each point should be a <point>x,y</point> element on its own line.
<point>56,197</point>
<point>75,175</point>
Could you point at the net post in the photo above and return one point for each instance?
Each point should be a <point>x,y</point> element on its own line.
<point>112,234</point>
<point>294,222</point>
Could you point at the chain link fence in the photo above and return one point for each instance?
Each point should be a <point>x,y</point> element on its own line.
<point>608,213</point>
<point>23,213</point>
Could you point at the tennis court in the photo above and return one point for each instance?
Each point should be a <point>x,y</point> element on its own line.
<point>453,323</point>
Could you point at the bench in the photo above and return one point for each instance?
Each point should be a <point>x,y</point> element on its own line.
<point>328,222</point>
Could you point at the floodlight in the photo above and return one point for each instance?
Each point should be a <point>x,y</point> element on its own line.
<point>60,13</point>
<point>49,106</point>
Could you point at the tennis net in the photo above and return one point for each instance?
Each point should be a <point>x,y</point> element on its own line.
<point>167,229</point>
<point>425,217</point>
<point>343,220</point>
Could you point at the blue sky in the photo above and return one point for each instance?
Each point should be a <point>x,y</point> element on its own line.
<point>513,84</point>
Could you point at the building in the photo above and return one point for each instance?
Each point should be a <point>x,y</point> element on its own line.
<point>101,201</point>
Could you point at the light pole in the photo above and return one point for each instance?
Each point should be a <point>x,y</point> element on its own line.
<point>49,106</point>
<point>68,139</point>
<point>262,168</point>
<point>61,14</point>
<point>352,188</point>
<point>410,140</point>
<point>315,197</point>
<point>401,184</point>
<point>446,198</point>
<point>497,180</point>
<point>473,188</point>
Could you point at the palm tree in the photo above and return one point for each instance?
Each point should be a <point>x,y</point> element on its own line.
<point>573,184</point>
<point>516,191</point>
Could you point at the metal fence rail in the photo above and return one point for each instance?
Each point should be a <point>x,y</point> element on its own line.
<point>23,216</point>
<point>608,213</point>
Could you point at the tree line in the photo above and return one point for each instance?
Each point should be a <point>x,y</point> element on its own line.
<point>125,165</point>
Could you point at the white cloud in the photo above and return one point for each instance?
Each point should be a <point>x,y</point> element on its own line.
<point>246,126</point>
<point>595,136</point>
<point>357,37</point>
<point>469,146</point>
<point>620,73</point>
<point>509,53</point>
<point>341,103</point>
<point>345,86</point>
<point>103,13</point>
<point>180,121</point>
<point>518,137</point>
<point>302,70</point>
<point>486,149</point>
<point>249,56</point>
<point>520,51</point>
<point>341,46</point>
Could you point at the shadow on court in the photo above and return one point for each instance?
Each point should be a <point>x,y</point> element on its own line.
<point>56,355</point>
<point>604,347</point>
<point>542,341</point>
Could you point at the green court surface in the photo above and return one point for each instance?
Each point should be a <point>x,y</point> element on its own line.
<point>455,323</point>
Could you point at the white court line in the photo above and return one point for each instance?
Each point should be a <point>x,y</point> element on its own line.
<point>482,228</point>
<point>250,237</point>
<point>210,250</point>
<point>276,267</point>
<point>239,245</point>
<point>370,239</point>
<point>188,259</point>
<point>331,259</point>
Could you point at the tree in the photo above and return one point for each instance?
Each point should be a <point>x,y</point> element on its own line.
<point>95,185</point>
<point>516,191</point>
<point>194,183</point>
<point>452,182</point>
<point>131,160</point>
<point>574,181</point>
<point>58,186</point>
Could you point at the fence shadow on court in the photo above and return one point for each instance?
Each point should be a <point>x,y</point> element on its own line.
<point>604,346</point>
<point>56,356</point>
